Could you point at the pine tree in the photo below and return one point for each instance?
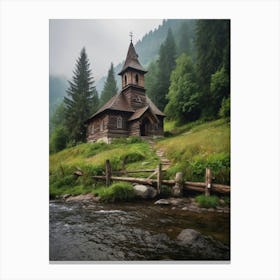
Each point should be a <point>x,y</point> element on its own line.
<point>151,81</point>
<point>82,100</point>
<point>110,87</point>
<point>166,64</point>
<point>212,44</point>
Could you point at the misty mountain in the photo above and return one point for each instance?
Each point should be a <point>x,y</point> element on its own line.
<point>57,90</point>
<point>147,49</point>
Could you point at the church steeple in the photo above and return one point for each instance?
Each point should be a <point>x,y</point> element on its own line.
<point>133,79</point>
<point>132,71</point>
<point>132,61</point>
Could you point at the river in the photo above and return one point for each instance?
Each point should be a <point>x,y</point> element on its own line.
<point>133,231</point>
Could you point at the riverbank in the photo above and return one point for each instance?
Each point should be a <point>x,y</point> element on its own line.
<point>184,204</point>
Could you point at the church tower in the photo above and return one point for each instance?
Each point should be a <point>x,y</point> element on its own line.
<point>132,73</point>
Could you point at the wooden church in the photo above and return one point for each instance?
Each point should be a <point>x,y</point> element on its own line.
<point>130,112</point>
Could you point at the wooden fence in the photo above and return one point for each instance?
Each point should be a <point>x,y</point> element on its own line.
<point>207,187</point>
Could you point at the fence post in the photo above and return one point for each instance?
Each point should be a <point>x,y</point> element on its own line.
<point>159,178</point>
<point>108,173</point>
<point>208,181</point>
<point>178,188</point>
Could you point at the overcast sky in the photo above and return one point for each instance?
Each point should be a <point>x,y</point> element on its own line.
<point>105,40</point>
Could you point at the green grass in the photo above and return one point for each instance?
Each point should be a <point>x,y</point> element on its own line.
<point>200,145</point>
<point>117,192</point>
<point>90,158</point>
<point>207,201</point>
<point>192,148</point>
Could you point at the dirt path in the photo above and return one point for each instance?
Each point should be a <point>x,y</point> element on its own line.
<point>160,153</point>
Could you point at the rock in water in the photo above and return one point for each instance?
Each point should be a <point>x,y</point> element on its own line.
<point>205,247</point>
<point>188,236</point>
<point>163,202</point>
<point>82,197</point>
<point>143,191</point>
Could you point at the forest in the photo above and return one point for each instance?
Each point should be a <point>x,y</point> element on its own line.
<point>188,63</point>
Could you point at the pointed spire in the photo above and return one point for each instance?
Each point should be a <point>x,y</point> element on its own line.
<point>132,60</point>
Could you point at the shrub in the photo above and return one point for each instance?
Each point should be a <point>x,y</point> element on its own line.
<point>207,201</point>
<point>134,139</point>
<point>167,134</point>
<point>58,139</point>
<point>225,108</point>
<point>116,192</point>
<point>131,157</point>
<point>129,140</point>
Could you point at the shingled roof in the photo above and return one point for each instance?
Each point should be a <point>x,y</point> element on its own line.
<point>132,60</point>
<point>119,103</point>
<point>140,112</point>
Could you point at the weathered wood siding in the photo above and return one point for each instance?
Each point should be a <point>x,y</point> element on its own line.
<point>136,98</point>
<point>110,126</point>
<point>98,128</point>
<point>134,128</point>
<point>113,130</point>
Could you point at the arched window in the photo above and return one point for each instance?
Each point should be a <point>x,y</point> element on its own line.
<point>119,122</point>
<point>101,125</point>
<point>136,79</point>
<point>125,80</point>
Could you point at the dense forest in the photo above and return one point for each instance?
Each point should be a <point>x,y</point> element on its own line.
<point>188,63</point>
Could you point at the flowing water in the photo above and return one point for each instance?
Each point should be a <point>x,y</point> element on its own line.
<point>133,231</point>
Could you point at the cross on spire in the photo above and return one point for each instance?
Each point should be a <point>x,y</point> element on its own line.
<point>131,35</point>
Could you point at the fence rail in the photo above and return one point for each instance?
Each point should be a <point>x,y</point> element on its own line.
<point>207,187</point>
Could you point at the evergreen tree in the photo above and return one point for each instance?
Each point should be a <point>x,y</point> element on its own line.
<point>58,134</point>
<point>110,87</point>
<point>184,39</point>
<point>166,64</point>
<point>151,81</point>
<point>183,95</point>
<point>212,44</point>
<point>82,100</point>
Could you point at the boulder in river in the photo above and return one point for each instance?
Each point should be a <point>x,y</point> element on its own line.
<point>170,201</point>
<point>204,246</point>
<point>163,202</point>
<point>82,197</point>
<point>143,191</point>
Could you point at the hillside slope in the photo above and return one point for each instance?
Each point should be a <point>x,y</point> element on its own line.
<point>196,146</point>
<point>192,148</point>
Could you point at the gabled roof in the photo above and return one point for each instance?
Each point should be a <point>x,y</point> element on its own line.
<point>132,60</point>
<point>140,112</point>
<point>117,102</point>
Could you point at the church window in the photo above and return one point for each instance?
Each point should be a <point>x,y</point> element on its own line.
<point>119,122</point>
<point>102,126</point>
<point>125,80</point>
<point>136,79</point>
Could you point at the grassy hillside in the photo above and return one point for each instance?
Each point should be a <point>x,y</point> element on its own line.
<point>191,148</point>
<point>90,158</point>
<point>196,146</point>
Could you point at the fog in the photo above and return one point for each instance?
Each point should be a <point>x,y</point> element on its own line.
<point>105,41</point>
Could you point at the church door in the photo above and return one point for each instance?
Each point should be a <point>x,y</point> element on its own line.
<point>144,127</point>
